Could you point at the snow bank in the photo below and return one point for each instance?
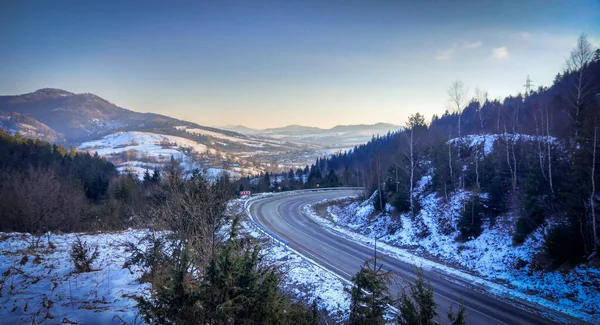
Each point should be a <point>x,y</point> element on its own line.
<point>491,256</point>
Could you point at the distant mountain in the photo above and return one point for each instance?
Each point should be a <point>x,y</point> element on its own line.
<point>366,127</point>
<point>292,130</point>
<point>28,127</point>
<point>240,129</point>
<point>337,137</point>
<point>82,117</point>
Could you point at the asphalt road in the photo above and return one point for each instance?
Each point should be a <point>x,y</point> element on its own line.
<point>282,216</point>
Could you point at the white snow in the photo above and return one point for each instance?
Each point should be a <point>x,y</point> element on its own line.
<point>487,141</point>
<point>302,276</point>
<point>43,287</point>
<point>143,150</point>
<point>151,144</point>
<point>491,256</point>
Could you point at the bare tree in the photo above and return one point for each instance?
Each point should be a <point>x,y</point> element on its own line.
<point>593,194</point>
<point>415,123</point>
<point>481,96</point>
<point>458,98</point>
<point>578,62</point>
<point>39,201</point>
<point>544,143</point>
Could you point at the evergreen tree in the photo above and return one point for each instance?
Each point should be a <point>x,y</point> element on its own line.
<point>417,306</point>
<point>369,295</point>
<point>156,176</point>
<point>147,177</point>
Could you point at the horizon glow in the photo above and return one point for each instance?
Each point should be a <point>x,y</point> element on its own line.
<point>271,64</point>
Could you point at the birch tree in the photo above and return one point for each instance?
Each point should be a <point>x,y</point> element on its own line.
<point>458,98</point>
<point>414,125</point>
<point>481,96</point>
<point>578,62</point>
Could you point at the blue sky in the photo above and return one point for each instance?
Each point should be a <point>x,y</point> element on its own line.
<point>274,63</point>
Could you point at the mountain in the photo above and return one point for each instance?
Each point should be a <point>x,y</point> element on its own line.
<point>292,130</point>
<point>28,127</point>
<point>240,129</point>
<point>340,137</point>
<point>83,117</point>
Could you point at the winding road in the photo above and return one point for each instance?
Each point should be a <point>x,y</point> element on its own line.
<point>282,216</point>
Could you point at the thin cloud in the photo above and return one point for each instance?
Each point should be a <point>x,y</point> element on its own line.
<point>473,45</point>
<point>446,54</point>
<point>500,53</point>
<point>524,36</point>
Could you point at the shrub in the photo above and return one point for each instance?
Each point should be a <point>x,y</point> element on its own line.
<point>379,201</point>
<point>563,244</point>
<point>401,201</point>
<point>527,223</point>
<point>82,255</point>
<point>471,220</point>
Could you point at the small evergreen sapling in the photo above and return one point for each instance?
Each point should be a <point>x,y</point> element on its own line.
<point>83,256</point>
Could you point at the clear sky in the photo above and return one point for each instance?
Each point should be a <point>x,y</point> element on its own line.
<point>274,63</point>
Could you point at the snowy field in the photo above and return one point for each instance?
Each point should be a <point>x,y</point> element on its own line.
<point>152,150</point>
<point>145,150</point>
<point>39,286</point>
<point>244,141</point>
<point>150,144</point>
<point>489,261</point>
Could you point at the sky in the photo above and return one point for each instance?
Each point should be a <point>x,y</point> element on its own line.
<point>275,63</point>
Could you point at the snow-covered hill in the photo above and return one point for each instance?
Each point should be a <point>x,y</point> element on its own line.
<point>433,233</point>
<point>336,138</point>
<point>137,151</point>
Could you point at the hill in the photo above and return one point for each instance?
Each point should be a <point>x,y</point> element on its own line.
<point>29,127</point>
<point>340,137</point>
<point>82,117</point>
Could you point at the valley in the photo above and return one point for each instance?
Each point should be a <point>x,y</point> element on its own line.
<point>137,142</point>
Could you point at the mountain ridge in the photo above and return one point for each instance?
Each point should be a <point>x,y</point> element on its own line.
<point>85,116</point>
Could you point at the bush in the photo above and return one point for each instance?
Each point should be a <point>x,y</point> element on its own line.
<point>527,223</point>
<point>379,201</point>
<point>401,201</point>
<point>82,256</point>
<point>563,245</point>
<point>471,220</point>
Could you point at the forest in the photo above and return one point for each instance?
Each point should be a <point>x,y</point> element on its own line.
<point>543,167</point>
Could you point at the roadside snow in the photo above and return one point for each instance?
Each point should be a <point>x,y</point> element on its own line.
<point>491,256</point>
<point>302,277</point>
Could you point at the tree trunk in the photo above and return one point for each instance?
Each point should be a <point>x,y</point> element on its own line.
<point>548,146</point>
<point>593,194</point>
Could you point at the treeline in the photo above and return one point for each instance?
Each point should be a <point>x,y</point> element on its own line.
<point>199,275</point>
<point>301,178</point>
<point>46,187</point>
<point>543,168</point>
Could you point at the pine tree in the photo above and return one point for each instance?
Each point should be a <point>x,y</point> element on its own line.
<point>417,306</point>
<point>147,177</point>
<point>369,295</point>
<point>156,176</point>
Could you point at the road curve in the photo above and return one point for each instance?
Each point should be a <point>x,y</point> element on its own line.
<point>283,217</point>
